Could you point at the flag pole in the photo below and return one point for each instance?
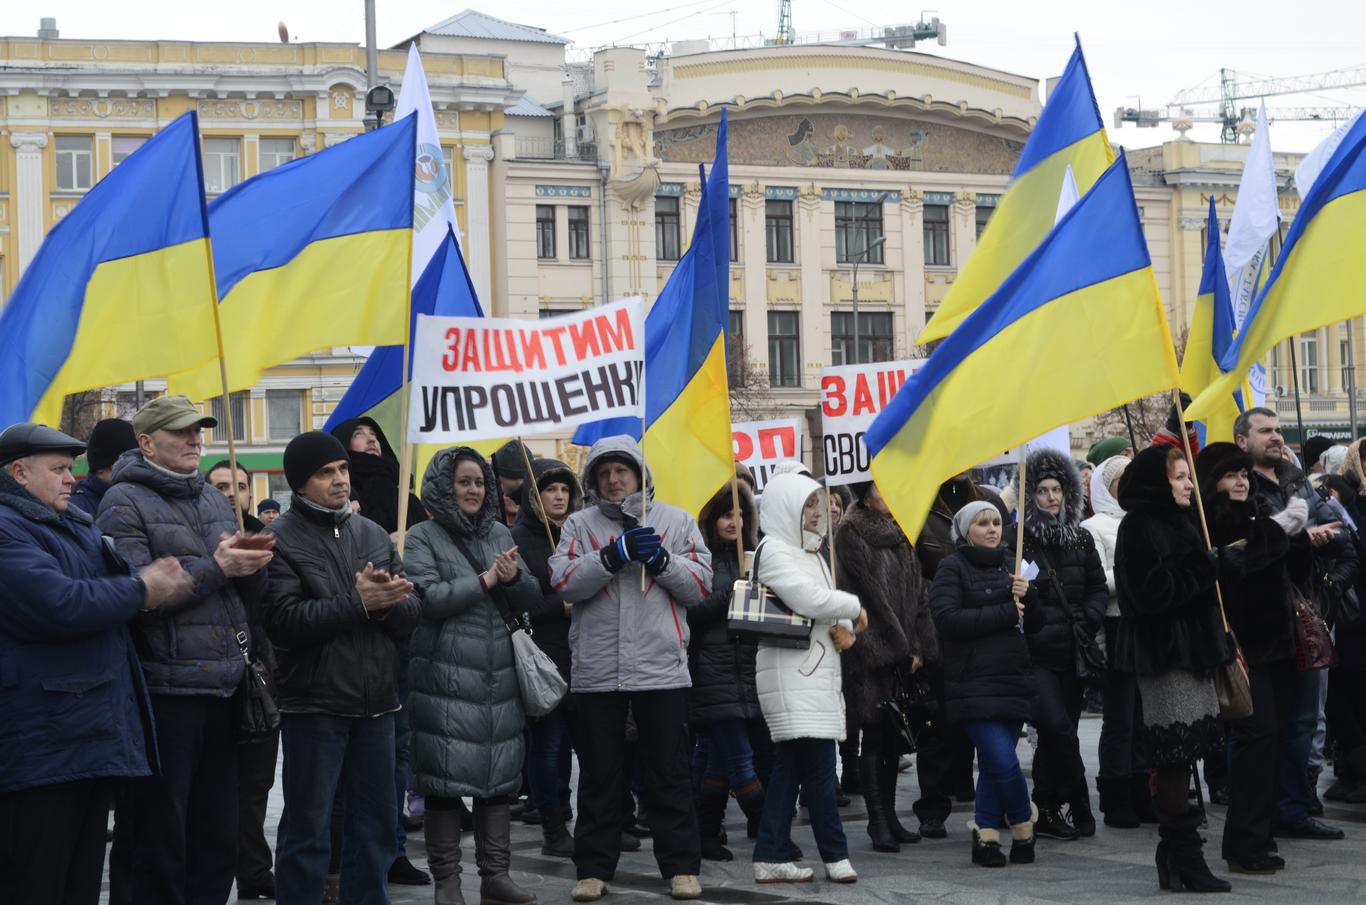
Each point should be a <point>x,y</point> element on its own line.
<point>405,462</point>
<point>740,530</point>
<point>1020,511</point>
<point>223,378</point>
<point>1129,423</point>
<point>531,476</point>
<point>644,493</point>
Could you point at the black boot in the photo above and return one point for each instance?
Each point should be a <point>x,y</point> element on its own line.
<point>1053,825</point>
<point>1116,803</point>
<point>1185,861</point>
<point>1079,810</point>
<point>849,783</point>
<point>986,847</point>
<point>711,811</point>
<point>556,842</point>
<point>871,780</point>
<point>1141,797</point>
<point>888,789</point>
<point>1312,784</point>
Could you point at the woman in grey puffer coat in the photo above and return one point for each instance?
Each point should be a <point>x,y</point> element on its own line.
<point>467,714</point>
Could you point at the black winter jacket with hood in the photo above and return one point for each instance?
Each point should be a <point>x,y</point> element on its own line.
<point>1062,545</point>
<point>550,623</point>
<point>332,657</point>
<point>374,479</point>
<point>722,667</point>
<point>1165,578</point>
<point>877,564</point>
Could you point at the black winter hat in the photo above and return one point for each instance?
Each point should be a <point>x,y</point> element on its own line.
<point>309,452</point>
<point>1315,447</point>
<point>110,439</point>
<point>267,505</point>
<point>510,460</point>
<point>1217,460</point>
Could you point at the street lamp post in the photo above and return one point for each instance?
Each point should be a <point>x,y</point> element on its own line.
<point>862,256</point>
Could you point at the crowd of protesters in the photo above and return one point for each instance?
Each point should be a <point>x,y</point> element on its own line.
<point>139,604</point>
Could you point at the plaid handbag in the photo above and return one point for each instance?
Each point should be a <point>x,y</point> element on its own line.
<point>757,614</point>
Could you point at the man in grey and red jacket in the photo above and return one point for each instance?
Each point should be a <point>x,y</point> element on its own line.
<point>629,641</point>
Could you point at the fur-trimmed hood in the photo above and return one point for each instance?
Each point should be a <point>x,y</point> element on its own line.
<point>721,504</point>
<point>547,471</point>
<point>1041,465</point>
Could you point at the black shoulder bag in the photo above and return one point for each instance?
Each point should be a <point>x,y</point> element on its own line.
<point>257,713</point>
<point>1087,655</point>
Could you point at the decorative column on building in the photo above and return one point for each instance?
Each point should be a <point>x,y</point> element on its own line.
<point>754,254</point>
<point>568,120</point>
<point>964,227</point>
<point>912,210</point>
<point>815,284</point>
<point>29,192</point>
<point>477,250</point>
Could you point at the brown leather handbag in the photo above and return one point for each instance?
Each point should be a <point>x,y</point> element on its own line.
<point>1313,645</point>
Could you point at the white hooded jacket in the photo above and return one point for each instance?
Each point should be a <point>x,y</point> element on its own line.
<point>800,691</point>
<point>1104,525</point>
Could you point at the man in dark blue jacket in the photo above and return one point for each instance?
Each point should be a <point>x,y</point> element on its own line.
<point>74,715</point>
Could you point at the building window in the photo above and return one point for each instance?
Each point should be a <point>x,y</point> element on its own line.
<point>1309,362</point>
<point>667,239</point>
<point>545,232</point>
<point>239,418</point>
<point>778,231</point>
<point>123,145</point>
<point>126,404</point>
<point>736,359</point>
<point>275,151</point>
<point>578,233</point>
<point>983,217</point>
<point>874,337</point>
<point>284,413</point>
<point>858,224</point>
<point>937,235</point>
<point>277,485</point>
<point>222,164</point>
<point>75,163</point>
<point>784,349</point>
<point>734,233</point>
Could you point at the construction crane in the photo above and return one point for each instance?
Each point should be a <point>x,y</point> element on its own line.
<point>786,34</point>
<point>1236,121</point>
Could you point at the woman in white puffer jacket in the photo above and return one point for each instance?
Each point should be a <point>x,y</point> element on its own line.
<point>800,690</point>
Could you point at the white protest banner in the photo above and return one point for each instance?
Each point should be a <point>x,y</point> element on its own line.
<point>763,444</point>
<point>481,378</point>
<point>1058,439</point>
<point>851,398</point>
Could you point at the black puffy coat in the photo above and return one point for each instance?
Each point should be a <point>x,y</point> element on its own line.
<point>988,674</point>
<point>190,648</point>
<point>1165,579</point>
<point>549,622</point>
<point>877,564</point>
<point>1068,550</point>
<point>374,479</point>
<point>1350,639</point>
<point>331,656</point>
<point>1257,563</point>
<point>722,666</point>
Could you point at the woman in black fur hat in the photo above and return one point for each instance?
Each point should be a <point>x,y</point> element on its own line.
<point>1171,637</point>
<point>1072,596</point>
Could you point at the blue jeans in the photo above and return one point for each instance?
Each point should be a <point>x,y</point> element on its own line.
<point>1304,722</point>
<point>729,755</point>
<point>1001,787</point>
<point>323,752</point>
<point>803,763</point>
<point>546,758</point>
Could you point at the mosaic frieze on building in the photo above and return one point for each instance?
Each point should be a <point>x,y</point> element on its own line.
<point>837,140</point>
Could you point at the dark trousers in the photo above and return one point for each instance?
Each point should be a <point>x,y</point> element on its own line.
<point>403,759</point>
<point>944,753</point>
<point>175,835</point>
<point>323,753</point>
<point>52,843</point>
<point>256,761</point>
<point>1255,745</point>
<point>1346,711</point>
<point>803,764</point>
<point>1121,718</point>
<point>1303,723</point>
<point>549,759</point>
<point>1059,774</point>
<point>600,732</point>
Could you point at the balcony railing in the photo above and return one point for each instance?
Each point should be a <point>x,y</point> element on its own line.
<point>554,149</point>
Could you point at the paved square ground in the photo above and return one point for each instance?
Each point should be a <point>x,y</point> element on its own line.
<point>1114,867</point>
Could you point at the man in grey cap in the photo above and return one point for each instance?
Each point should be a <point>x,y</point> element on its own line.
<point>74,714</point>
<point>175,839</point>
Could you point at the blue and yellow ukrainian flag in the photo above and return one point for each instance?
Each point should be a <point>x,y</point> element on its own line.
<point>312,254</point>
<point>120,290</point>
<point>1069,132</point>
<point>687,397</point>
<point>1077,329</point>
<point>1211,334</point>
<point>1320,274</point>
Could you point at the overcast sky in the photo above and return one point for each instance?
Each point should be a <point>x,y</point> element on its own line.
<point>1148,50</point>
